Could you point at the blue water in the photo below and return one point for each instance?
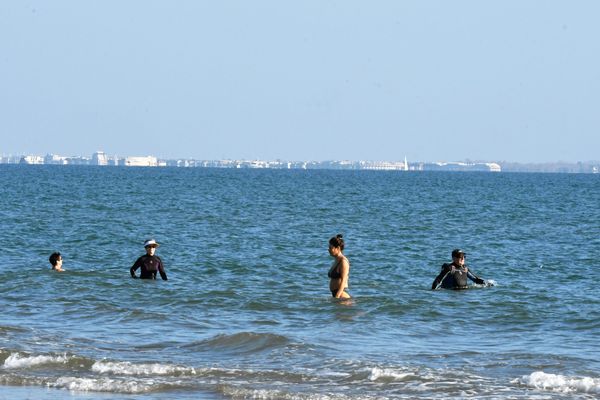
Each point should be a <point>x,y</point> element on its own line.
<point>247,313</point>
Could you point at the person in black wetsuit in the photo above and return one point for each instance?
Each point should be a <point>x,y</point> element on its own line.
<point>455,274</point>
<point>149,263</point>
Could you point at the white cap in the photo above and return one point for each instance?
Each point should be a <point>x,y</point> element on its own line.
<point>150,242</point>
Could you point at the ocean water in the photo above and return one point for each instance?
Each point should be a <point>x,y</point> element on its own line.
<point>246,312</point>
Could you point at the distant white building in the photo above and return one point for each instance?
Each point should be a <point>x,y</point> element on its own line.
<point>494,167</point>
<point>31,160</point>
<point>148,161</point>
<point>461,166</point>
<point>257,164</point>
<point>10,159</point>
<point>114,161</point>
<point>383,165</point>
<point>99,158</point>
<point>55,159</point>
<point>78,160</point>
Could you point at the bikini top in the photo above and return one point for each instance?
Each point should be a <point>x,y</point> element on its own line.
<point>334,272</point>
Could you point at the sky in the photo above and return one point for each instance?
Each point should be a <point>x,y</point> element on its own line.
<point>506,80</point>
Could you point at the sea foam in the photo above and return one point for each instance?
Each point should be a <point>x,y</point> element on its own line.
<point>101,385</point>
<point>389,373</point>
<point>559,383</point>
<point>274,394</point>
<point>127,368</point>
<point>16,360</point>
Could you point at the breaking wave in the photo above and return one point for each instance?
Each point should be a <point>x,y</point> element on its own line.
<point>16,360</point>
<point>391,374</point>
<point>127,368</point>
<point>103,385</point>
<point>560,383</point>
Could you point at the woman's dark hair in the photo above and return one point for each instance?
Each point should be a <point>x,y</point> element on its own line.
<point>337,241</point>
<point>53,258</point>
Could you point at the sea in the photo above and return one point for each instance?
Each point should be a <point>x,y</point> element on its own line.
<point>246,312</point>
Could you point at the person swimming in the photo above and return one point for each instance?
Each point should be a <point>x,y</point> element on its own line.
<point>340,269</point>
<point>455,274</point>
<point>56,261</point>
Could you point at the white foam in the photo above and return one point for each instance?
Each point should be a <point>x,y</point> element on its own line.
<point>127,368</point>
<point>559,383</point>
<point>17,361</point>
<point>388,373</point>
<point>266,394</point>
<point>101,385</point>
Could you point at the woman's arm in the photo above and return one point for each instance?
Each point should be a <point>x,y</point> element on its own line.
<point>344,272</point>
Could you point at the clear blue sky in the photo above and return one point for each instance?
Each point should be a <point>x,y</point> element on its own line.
<point>302,80</point>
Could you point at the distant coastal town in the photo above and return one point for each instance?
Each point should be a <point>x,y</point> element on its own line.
<point>100,158</point>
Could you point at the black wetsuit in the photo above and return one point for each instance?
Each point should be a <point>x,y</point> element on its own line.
<point>456,279</point>
<point>149,266</point>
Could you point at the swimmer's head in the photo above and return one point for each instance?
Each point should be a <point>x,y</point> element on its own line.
<point>150,243</point>
<point>458,253</point>
<point>55,258</point>
<point>337,241</point>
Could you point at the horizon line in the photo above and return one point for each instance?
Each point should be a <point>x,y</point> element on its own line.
<point>466,160</point>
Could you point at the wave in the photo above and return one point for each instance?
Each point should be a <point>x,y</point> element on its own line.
<point>23,361</point>
<point>236,392</point>
<point>80,374</point>
<point>413,382</point>
<point>109,385</point>
<point>243,342</point>
<point>20,369</point>
<point>560,383</point>
<point>127,368</point>
<point>11,329</point>
<point>16,360</point>
<point>95,384</point>
<point>392,374</point>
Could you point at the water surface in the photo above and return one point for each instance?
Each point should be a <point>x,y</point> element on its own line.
<point>247,312</point>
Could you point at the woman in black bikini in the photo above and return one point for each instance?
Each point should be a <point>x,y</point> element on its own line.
<point>340,269</point>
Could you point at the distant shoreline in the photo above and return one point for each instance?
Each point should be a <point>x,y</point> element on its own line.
<point>589,167</point>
